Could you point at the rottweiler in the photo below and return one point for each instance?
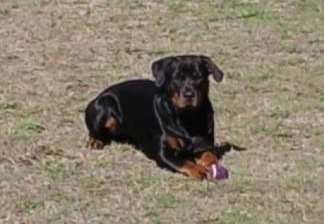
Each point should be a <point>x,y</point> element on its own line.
<point>170,119</point>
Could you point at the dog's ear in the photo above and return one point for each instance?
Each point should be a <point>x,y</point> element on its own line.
<point>212,68</point>
<point>159,70</point>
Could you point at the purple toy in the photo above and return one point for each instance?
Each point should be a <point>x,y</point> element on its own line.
<point>218,172</point>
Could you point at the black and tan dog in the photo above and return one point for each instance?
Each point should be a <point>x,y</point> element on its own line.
<point>171,120</point>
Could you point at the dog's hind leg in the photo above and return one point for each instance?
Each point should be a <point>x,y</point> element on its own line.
<point>102,117</point>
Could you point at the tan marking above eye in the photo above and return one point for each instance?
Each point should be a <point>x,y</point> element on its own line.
<point>195,75</point>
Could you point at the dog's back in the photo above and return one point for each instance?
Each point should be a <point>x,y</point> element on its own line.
<point>135,98</point>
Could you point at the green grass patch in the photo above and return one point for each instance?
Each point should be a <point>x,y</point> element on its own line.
<point>234,215</point>
<point>26,129</point>
<point>56,170</point>
<point>31,206</point>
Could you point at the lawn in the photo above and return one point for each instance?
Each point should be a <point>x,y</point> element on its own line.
<point>57,55</point>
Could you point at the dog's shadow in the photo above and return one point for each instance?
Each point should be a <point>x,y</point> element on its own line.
<point>219,150</point>
<point>222,148</point>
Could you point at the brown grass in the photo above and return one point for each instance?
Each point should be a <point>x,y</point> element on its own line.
<point>56,55</point>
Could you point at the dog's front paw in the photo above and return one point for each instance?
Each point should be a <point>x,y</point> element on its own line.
<point>194,171</point>
<point>94,144</point>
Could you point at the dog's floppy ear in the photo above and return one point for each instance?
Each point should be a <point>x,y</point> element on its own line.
<point>212,68</point>
<point>159,69</point>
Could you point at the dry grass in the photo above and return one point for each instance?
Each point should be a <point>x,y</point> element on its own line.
<point>56,55</point>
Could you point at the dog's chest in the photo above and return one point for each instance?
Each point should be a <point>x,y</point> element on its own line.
<point>194,123</point>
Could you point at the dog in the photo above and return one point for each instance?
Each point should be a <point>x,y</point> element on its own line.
<point>170,119</point>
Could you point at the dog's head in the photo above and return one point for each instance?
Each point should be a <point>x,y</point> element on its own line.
<point>184,78</point>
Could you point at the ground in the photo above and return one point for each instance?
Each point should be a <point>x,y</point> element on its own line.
<point>57,55</point>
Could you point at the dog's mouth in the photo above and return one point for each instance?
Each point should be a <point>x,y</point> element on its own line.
<point>190,102</point>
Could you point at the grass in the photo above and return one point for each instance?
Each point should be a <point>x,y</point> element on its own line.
<point>57,55</point>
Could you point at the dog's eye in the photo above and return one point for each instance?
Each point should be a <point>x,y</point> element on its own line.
<point>180,76</point>
<point>196,76</point>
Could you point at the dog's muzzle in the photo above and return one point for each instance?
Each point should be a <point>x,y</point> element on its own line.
<point>188,93</point>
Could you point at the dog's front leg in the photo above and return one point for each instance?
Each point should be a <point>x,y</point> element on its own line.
<point>170,156</point>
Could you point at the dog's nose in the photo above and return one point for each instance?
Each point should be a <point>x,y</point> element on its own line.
<point>188,92</point>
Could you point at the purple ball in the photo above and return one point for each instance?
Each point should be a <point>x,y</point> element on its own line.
<point>222,173</point>
<point>218,172</point>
